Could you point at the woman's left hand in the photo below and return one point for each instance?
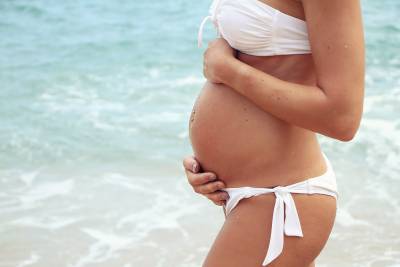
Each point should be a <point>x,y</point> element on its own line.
<point>218,54</point>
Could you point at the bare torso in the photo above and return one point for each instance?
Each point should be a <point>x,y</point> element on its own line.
<point>246,146</point>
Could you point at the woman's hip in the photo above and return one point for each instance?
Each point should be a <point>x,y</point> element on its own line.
<point>245,237</point>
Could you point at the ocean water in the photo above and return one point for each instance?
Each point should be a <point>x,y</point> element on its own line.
<point>95,99</point>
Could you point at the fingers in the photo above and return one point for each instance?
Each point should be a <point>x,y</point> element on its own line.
<point>204,181</point>
<point>195,179</point>
<point>209,188</point>
<point>190,163</point>
<point>219,198</point>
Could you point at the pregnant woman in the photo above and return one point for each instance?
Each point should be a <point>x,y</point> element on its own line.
<point>281,72</point>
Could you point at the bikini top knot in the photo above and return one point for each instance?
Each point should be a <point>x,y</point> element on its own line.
<point>213,11</point>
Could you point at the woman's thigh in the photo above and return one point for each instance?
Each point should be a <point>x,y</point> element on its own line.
<point>244,237</point>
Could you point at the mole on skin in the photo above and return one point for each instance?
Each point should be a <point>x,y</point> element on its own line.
<point>192,115</point>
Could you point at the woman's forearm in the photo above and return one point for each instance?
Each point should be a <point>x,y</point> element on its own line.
<point>301,105</point>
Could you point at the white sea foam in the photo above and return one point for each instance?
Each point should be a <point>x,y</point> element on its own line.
<point>47,222</point>
<point>344,218</point>
<point>127,182</point>
<point>188,80</point>
<point>46,191</point>
<point>183,134</point>
<point>32,260</point>
<point>164,213</point>
<point>105,246</point>
<point>29,177</point>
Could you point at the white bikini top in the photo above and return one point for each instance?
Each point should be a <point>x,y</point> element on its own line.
<point>255,28</point>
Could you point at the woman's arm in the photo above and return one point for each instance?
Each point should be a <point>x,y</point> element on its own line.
<point>334,106</point>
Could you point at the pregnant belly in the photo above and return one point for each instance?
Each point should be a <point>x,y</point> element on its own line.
<point>245,145</point>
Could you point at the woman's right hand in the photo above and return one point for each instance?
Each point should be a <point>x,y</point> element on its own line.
<point>204,183</point>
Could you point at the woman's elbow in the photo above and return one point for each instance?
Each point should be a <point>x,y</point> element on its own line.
<point>344,118</point>
<point>345,127</point>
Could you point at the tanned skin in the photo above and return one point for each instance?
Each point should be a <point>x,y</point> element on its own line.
<point>318,93</point>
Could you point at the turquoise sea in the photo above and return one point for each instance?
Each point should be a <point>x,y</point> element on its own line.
<point>95,99</point>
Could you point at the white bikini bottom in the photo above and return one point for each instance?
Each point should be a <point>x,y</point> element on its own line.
<point>290,225</point>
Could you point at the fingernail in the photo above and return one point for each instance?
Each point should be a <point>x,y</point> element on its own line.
<point>194,167</point>
<point>212,177</point>
<point>226,197</point>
